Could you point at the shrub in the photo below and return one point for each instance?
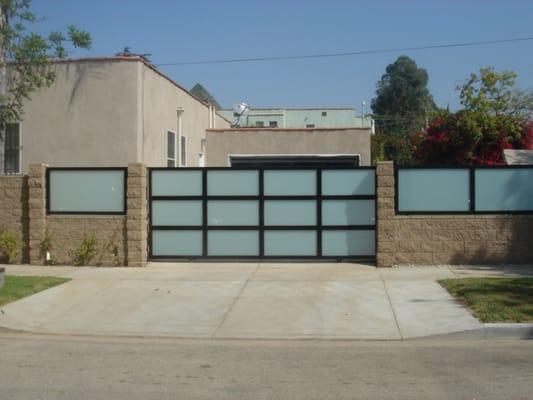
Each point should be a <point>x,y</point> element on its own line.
<point>47,246</point>
<point>111,248</point>
<point>460,138</point>
<point>10,246</point>
<point>86,252</point>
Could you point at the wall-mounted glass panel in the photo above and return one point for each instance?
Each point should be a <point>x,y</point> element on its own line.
<point>290,183</point>
<point>290,212</point>
<point>232,212</point>
<point>290,243</point>
<point>348,243</point>
<point>176,183</point>
<point>176,212</point>
<point>348,182</point>
<point>87,191</point>
<point>233,243</point>
<point>233,183</point>
<point>348,212</point>
<point>509,189</point>
<point>177,243</point>
<point>431,189</point>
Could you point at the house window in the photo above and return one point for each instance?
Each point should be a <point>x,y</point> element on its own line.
<point>12,149</point>
<point>259,124</point>
<point>183,151</point>
<point>324,113</point>
<point>310,126</point>
<point>273,124</point>
<point>171,149</point>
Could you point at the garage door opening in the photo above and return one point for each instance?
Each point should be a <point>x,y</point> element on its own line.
<point>294,160</point>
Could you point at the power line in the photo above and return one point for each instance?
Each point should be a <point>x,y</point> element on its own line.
<point>346,54</point>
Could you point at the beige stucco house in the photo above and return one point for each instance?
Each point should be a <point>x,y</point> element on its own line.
<point>120,110</point>
<point>309,146</point>
<point>111,112</point>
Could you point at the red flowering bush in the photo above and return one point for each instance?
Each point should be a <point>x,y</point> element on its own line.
<point>464,138</point>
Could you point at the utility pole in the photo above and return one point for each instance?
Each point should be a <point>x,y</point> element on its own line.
<point>363,104</point>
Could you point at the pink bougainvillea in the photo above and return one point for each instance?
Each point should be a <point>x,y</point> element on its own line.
<point>455,139</point>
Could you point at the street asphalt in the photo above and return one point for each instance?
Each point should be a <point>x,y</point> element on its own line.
<point>81,368</point>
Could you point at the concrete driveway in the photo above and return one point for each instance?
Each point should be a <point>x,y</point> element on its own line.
<point>243,300</point>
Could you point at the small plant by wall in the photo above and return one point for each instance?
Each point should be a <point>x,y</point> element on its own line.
<point>84,254</point>
<point>111,250</point>
<point>47,247</point>
<point>10,246</point>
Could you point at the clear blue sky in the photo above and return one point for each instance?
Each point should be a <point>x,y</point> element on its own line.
<point>174,31</point>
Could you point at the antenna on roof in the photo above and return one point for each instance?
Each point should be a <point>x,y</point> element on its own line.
<point>239,110</point>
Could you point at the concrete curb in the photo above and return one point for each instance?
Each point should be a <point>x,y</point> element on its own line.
<point>495,331</point>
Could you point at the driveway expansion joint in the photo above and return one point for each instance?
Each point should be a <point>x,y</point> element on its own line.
<point>225,317</point>
<point>391,305</point>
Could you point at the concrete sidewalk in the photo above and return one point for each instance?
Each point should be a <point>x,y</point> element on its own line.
<point>248,300</point>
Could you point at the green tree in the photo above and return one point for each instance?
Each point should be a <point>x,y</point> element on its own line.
<point>496,115</point>
<point>25,57</point>
<point>492,102</point>
<point>402,101</point>
<point>401,108</point>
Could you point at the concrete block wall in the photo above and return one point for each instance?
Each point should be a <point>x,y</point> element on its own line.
<point>14,209</point>
<point>122,239</point>
<point>401,239</point>
<point>137,218</point>
<point>449,239</point>
<point>67,232</point>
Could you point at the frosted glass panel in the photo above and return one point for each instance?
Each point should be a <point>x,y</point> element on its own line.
<point>504,189</point>
<point>233,243</point>
<point>290,243</point>
<point>233,183</point>
<point>290,212</point>
<point>176,212</point>
<point>433,190</point>
<point>348,243</point>
<point>348,212</point>
<point>176,183</point>
<point>348,182</point>
<point>232,212</point>
<point>177,243</point>
<point>87,191</point>
<point>290,183</point>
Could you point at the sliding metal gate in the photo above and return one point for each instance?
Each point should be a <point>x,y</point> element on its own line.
<point>279,213</point>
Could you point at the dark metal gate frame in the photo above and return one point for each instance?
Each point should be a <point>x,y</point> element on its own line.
<point>319,228</point>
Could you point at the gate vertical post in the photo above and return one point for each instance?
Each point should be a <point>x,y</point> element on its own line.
<point>137,216</point>
<point>385,195</point>
<point>37,212</point>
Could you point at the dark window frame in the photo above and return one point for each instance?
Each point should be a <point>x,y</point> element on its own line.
<point>125,198</point>
<point>183,151</point>
<point>171,150</point>
<point>12,149</point>
<point>261,227</point>
<point>472,192</point>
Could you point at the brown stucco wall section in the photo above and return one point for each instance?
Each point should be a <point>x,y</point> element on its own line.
<point>450,239</point>
<point>223,142</point>
<point>14,209</point>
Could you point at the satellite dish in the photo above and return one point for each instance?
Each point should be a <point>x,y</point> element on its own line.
<point>241,108</point>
